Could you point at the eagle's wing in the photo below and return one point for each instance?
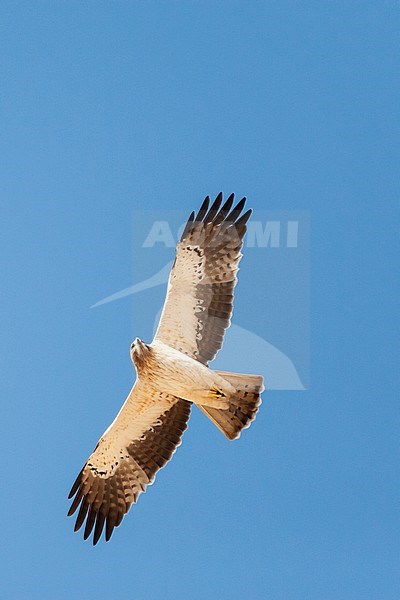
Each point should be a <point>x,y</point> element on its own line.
<point>199,300</point>
<point>139,442</point>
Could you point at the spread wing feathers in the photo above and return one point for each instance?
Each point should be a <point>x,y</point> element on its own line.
<point>199,302</point>
<point>140,441</point>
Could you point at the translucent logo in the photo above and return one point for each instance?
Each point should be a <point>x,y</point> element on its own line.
<point>269,333</point>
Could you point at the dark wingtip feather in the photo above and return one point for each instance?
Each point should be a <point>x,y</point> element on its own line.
<point>109,529</point>
<point>90,522</point>
<point>76,485</point>
<point>224,210</point>
<point>99,527</point>
<point>233,215</point>
<point>213,209</point>
<point>203,209</point>
<point>228,203</point>
<point>119,519</point>
<point>188,225</point>
<point>75,502</point>
<point>81,515</point>
<point>244,218</point>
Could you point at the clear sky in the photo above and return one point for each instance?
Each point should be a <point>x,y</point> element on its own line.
<point>108,108</point>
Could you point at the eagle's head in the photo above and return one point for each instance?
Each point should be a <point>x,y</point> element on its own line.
<point>139,350</point>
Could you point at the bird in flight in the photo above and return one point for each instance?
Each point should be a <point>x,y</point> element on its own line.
<point>173,373</point>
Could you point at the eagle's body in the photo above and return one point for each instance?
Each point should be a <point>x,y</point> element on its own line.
<point>180,375</point>
<point>173,373</point>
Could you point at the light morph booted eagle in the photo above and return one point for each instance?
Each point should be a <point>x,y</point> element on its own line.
<point>172,373</point>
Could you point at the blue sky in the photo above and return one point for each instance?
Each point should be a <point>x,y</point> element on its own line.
<point>113,107</point>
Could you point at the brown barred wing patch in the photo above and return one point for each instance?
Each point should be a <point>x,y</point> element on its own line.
<point>116,474</point>
<point>199,303</point>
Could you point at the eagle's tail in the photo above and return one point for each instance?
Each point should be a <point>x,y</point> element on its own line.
<point>243,405</point>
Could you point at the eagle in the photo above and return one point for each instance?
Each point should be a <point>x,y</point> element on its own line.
<point>172,373</point>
